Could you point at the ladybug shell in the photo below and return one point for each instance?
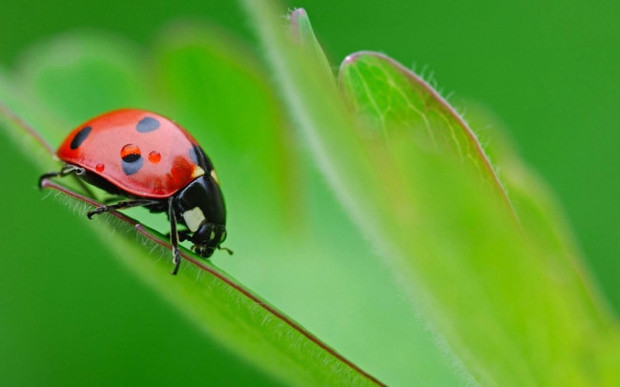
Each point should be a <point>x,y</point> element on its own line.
<point>138,151</point>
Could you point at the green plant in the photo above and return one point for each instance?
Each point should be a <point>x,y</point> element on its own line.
<point>493,277</point>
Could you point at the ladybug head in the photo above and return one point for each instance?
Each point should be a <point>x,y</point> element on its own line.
<point>207,238</point>
<point>200,206</point>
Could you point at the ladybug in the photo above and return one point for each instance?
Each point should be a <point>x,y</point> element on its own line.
<point>154,163</point>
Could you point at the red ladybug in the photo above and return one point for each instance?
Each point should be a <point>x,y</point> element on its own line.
<point>156,164</point>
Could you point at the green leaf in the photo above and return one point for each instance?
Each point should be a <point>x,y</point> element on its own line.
<point>221,307</point>
<point>485,288</point>
<point>493,293</point>
<point>303,33</point>
<point>395,99</point>
<point>542,218</point>
<point>225,310</point>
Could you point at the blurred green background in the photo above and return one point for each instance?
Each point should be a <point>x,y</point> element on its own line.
<point>549,70</point>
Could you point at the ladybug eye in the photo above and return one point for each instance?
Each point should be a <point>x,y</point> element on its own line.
<point>130,153</point>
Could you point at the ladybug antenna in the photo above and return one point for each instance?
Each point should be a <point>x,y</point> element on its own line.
<point>229,251</point>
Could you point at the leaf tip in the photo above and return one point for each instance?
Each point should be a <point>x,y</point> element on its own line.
<point>298,13</point>
<point>351,59</point>
<point>297,18</point>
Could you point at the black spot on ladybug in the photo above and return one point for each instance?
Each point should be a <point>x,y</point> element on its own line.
<point>80,137</point>
<point>131,159</point>
<point>147,124</point>
<point>199,158</point>
<point>131,167</point>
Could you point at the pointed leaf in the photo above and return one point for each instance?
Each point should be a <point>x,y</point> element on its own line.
<point>396,99</point>
<point>453,242</point>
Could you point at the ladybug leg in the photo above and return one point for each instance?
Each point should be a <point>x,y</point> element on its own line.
<point>64,171</point>
<point>121,206</point>
<point>111,199</point>
<point>184,235</point>
<point>67,170</point>
<point>174,237</point>
<point>46,176</point>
